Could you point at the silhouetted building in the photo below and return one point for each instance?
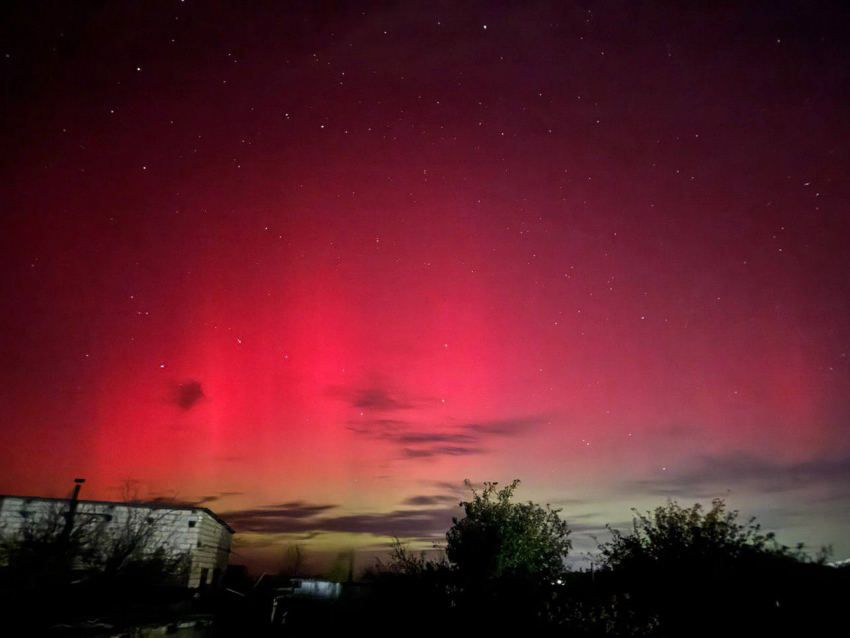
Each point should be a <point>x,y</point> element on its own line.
<point>196,532</point>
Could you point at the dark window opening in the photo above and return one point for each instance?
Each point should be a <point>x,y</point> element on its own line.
<point>191,523</point>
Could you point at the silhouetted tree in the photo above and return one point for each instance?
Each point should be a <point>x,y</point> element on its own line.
<point>499,539</point>
<point>407,563</point>
<point>136,548</point>
<point>100,563</point>
<point>680,571</point>
<point>673,532</point>
<point>40,556</point>
<point>678,562</point>
<point>507,558</point>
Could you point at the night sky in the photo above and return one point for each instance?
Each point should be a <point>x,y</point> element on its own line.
<point>314,264</point>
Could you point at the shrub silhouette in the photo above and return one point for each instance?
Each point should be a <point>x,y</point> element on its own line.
<point>680,563</point>
<point>680,571</point>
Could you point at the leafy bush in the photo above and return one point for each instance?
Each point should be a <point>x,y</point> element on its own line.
<point>499,540</point>
<point>679,563</point>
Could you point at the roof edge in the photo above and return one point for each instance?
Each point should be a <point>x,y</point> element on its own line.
<point>147,504</point>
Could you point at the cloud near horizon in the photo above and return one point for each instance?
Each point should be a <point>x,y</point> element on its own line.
<point>744,470</point>
<point>299,518</point>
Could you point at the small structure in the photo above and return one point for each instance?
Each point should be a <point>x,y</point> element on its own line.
<point>312,588</point>
<point>309,590</point>
<point>196,532</point>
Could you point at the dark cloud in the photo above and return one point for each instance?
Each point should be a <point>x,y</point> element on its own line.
<point>298,509</point>
<point>423,517</point>
<point>403,523</point>
<point>374,397</point>
<point>459,486</point>
<point>215,497</point>
<point>431,499</point>
<point>413,438</point>
<point>290,515</point>
<point>187,394</point>
<point>707,474</point>
<point>300,518</point>
<point>505,427</point>
<point>441,450</point>
<point>415,442</point>
<point>378,428</point>
<point>176,500</point>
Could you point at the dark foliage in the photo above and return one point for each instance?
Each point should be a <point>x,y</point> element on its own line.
<point>52,573</point>
<point>679,572</point>
<point>501,541</point>
<point>42,557</point>
<point>680,565</point>
<point>501,568</point>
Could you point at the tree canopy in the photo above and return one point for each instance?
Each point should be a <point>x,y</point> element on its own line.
<point>676,533</point>
<point>680,571</point>
<point>678,561</point>
<point>499,539</point>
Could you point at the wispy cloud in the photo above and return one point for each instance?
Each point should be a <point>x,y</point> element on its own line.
<point>441,450</point>
<point>415,441</point>
<point>430,499</point>
<point>505,427</point>
<point>302,518</point>
<point>375,397</point>
<point>176,500</point>
<point>743,470</point>
<point>211,498</point>
<point>422,517</point>
<point>295,516</point>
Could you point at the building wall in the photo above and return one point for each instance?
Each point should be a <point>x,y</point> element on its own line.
<point>211,553</point>
<point>180,531</point>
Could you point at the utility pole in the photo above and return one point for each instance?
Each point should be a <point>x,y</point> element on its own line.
<point>65,537</point>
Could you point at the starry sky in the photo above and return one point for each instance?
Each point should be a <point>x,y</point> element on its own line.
<point>313,264</point>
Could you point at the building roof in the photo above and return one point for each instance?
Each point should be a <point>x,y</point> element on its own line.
<point>146,504</point>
